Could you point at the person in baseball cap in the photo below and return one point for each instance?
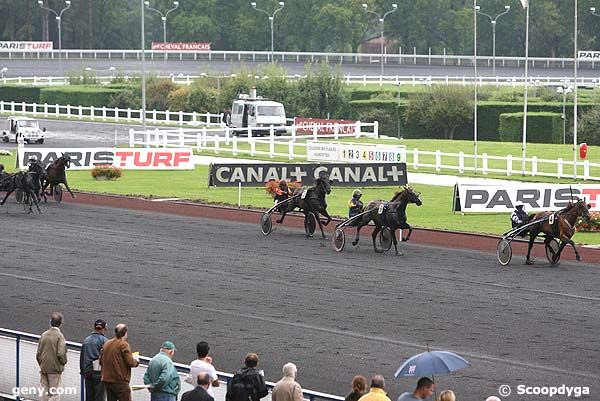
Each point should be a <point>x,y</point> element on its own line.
<point>89,362</point>
<point>161,377</point>
<point>100,324</point>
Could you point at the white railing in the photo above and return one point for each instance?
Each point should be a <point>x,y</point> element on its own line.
<point>244,141</point>
<point>110,114</point>
<point>413,80</point>
<point>400,58</point>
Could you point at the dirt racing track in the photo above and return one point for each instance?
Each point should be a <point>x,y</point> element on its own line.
<point>189,273</point>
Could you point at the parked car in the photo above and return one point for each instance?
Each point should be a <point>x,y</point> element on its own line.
<point>25,127</point>
<point>258,113</point>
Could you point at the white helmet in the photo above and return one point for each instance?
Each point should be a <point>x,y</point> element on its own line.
<point>519,204</point>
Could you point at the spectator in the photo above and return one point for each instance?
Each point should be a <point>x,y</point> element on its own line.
<point>447,395</point>
<point>52,357</point>
<point>116,362</point>
<point>200,393</point>
<point>203,364</point>
<point>287,389</point>
<point>247,384</point>
<point>162,376</point>
<point>89,362</point>
<point>424,389</point>
<point>377,392</point>
<point>359,388</point>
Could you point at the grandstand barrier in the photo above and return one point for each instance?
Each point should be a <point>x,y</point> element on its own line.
<point>19,370</point>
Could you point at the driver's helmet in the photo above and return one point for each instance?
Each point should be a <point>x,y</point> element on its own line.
<point>283,184</point>
<point>519,205</point>
<point>357,193</point>
<point>1,167</point>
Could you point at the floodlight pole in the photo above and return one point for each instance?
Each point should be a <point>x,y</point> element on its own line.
<point>59,20</point>
<point>271,20</point>
<point>382,22</point>
<point>163,17</point>
<point>494,21</point>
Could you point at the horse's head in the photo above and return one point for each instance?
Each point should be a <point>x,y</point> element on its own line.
<point>582,208</point>
<point>64,160</point>
<point>324,182</point>
<point>409,195</point>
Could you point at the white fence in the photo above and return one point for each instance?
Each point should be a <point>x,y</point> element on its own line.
<point>293,147</point>
<point>110,114</point>
<point>400,58</point>
<point>244,141</point>
<point>413,80</point>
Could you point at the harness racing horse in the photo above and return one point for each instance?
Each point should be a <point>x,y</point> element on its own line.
<point>55,174</point>
<point>311,200</point>
<point>390,214</point>
<point>37,167</point>
<point>29,183</point>
<point>562,228</point>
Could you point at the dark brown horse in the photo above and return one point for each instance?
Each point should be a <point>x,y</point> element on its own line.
<point>562,227</point>
<point>390,214</point>
<point>311,200</point>
<point>26,182</point>
<point>55,174</point>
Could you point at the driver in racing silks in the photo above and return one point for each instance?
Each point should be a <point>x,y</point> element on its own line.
<point>3,177</point>
<point>355,206</point>
<point>282,192</point>
<point>519,217</point>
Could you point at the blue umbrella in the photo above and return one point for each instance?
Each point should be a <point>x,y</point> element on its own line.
<point>431,363</point>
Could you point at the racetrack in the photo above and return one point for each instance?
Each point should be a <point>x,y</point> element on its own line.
<point>293,299</point>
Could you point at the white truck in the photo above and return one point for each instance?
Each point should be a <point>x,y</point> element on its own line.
<point>24,127</point>
<point>257,113</point>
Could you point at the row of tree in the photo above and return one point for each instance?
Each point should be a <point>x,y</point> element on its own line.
<point>309,25</point>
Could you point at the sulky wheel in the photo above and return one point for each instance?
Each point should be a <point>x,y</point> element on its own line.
<point>385,238</point>
<point>339,240</point>
<point>58,193</point>
<point>552,248</point>
<point>310,224</point>
<point>504,252</point>
<point>266,225</point>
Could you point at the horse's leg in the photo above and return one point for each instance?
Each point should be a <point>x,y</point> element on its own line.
<point>324,213</point>
<point>318,218</point>
<point>395,241</point>
<point>355,242</point>
<point>6,196</point>
<point>566,240</point>
<point>374,236</point>
<point>36,201</point>
<point>405,226</point>
<point>280,220</point>
<point>68,189</point>
<point>532,235</point>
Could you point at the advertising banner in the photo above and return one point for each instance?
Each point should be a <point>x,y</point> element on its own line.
<point>25,46</point>
<point>125,158</point>
<point>586,55</point>
<point>181,46</point>
<point>536,197</point>
<point>256,175</point>
<point>354,152</point>
<point>326,127</point>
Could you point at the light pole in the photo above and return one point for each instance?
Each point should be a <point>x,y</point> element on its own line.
<point>493,21</point>
<point>564,90</point>
<point>271,19</point>
<point>143,68</point>
<point>163,17</point>
<point>58,19</point>
<point>381,21</point>
<point>593,10</point>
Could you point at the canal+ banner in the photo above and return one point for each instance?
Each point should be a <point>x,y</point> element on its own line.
<point>536,197</point>
<point>124,158</point>
<point>361,174</point>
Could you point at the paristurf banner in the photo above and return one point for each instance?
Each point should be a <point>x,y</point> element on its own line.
<point>536,197</point>
<point>256,175</point>
<point>125,158</point>
<point>25,46</point>
<point>586,55</point>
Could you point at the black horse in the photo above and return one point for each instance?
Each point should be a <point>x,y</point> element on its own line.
<point>29,183</point>
<point>311,200</point>
<point>390,214</point>
<point>55,174</point>
<point>36,166</point>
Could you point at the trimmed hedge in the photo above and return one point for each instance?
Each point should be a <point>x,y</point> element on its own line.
<point>541,127</point>
<point>78,95</point>
<point>14,93</point>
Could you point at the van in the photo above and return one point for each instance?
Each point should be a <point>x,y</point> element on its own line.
<point>256,113</point>
<point>24,127</point>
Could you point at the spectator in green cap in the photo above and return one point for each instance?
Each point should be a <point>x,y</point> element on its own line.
<point>161,377</point>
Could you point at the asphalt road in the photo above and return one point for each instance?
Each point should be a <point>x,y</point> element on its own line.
<point>293,299</point>
<point>29,68</point>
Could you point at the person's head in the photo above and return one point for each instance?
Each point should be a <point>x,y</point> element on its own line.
<point>100,326</point>
<point>1,167</point>
<point>378,382</point>
<point>56,320</point>
<point>424,388</point>
<point>121,331</point>
<point>493,398</point>
<point>519,206</point>
<point>251,360</point>
<point>357,194</point>
<point>168,348</point>
<point>283,184</point>
<point>202,349</point>
<point>203,379</point>
<point>290,370</point>
<point>359,384</point>
<point>447,395</point>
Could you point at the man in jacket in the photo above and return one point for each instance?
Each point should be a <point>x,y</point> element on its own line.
<point>52,357</point>
<point>287,389</point>
<point>161,376</point>
<point>247,384</point>
<point>200,393</point>
<point>116,361</point>
<point>89,362</point>
<point>377,392</point>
